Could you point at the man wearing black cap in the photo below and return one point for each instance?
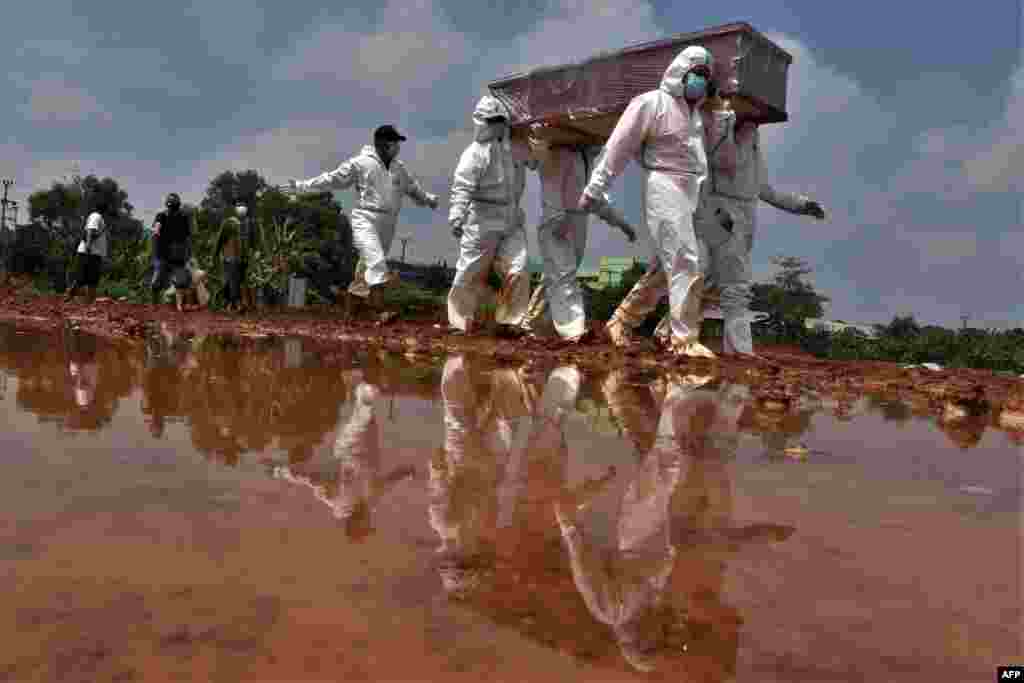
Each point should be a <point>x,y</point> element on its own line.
<point>381,181</point>
<point>172,236</point>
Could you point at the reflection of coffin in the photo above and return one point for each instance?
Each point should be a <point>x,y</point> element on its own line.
<point>581,102</point>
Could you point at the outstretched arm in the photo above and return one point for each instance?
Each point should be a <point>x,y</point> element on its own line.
<point>341,178</point>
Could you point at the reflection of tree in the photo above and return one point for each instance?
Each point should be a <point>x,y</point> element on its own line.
<point>69,378</point>
<point>778,425</point>
<point>892,408</point>
<point>964,432</point>
<point>240,397</point>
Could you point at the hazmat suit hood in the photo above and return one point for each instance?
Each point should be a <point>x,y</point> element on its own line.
<point>488,106</point>
<point>685,61</point>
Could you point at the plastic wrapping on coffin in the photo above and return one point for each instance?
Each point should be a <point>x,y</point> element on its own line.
<point>580,103</point>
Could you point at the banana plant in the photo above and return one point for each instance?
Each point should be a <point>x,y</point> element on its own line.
<point>281,252</point>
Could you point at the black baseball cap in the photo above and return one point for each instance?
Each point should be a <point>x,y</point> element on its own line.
<point>387,132</point>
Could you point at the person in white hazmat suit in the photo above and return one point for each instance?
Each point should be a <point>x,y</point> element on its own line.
<point>664,130</point>
<point>463,485</point>
<point>381,181</point>
<point>562,238</point>
<point>626,588</point>
<point>727,222</point>
<point>486,218</point>
<point>356,484</point>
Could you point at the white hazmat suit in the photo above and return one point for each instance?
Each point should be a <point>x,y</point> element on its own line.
<point>381,189</point>
<point>561,238</point>
<point>737,181</point>
<point>486,190</point>
<point>665,133</point>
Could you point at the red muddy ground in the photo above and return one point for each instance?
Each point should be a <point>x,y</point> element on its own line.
<point>955,395</point>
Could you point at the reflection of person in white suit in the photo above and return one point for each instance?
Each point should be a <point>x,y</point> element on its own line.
<point>84,373</point>
<point>512,399</point>
<point>663,591</point>
<point>357,457</point>
<point>540,472</point>
<point>626,592</point>
<point>463,486</point>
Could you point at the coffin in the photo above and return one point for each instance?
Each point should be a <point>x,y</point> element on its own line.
<point>581,102</point>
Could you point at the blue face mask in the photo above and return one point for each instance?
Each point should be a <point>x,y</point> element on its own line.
<point>696,87</point>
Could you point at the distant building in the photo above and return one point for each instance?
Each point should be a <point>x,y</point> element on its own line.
<point>588,277</point>
<point>609,271</point>
<point>835,326</point>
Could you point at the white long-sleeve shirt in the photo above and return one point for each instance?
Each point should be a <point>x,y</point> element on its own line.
<point>380,188</point>
<point>95,225</point>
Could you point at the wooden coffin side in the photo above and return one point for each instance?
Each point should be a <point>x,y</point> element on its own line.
<point>580,103</point>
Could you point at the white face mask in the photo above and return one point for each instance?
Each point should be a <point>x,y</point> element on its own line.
<point>241,211</point>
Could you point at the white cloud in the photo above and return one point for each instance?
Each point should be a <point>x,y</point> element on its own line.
<point>51,99</point>
<point>415,46</point>
<point>576,29</point>
<point>53,48</point>
<point>999,167</point>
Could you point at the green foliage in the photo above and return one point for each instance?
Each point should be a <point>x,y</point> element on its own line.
<point>231,188</point>
<point>410,301</point>
<point>789,298</point>
<point>904,327</point>
<point>899,342</point>
<point>62,210</point>
<point>604,301</point>
<point>284,231</point>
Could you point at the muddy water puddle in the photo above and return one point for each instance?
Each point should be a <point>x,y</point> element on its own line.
<point>251,509</point>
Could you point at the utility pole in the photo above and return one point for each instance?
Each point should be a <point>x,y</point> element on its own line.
<point>6,182</point>
<point>405,240</point>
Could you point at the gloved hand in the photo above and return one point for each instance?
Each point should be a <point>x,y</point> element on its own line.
<point>432,201</point>
<point>562,228</point>
<point>587,203</point>
<point>724,219</point>
<point>813,208</point>
<point>456,224</point>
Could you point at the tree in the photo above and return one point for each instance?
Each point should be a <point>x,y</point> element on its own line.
<point>789,298</point>
<point>230,187</point>
<point>62,209</point>
<point>286,233</point>
<point>903,327</point>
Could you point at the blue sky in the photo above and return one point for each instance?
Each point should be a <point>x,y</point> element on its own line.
<point>905,121</point>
